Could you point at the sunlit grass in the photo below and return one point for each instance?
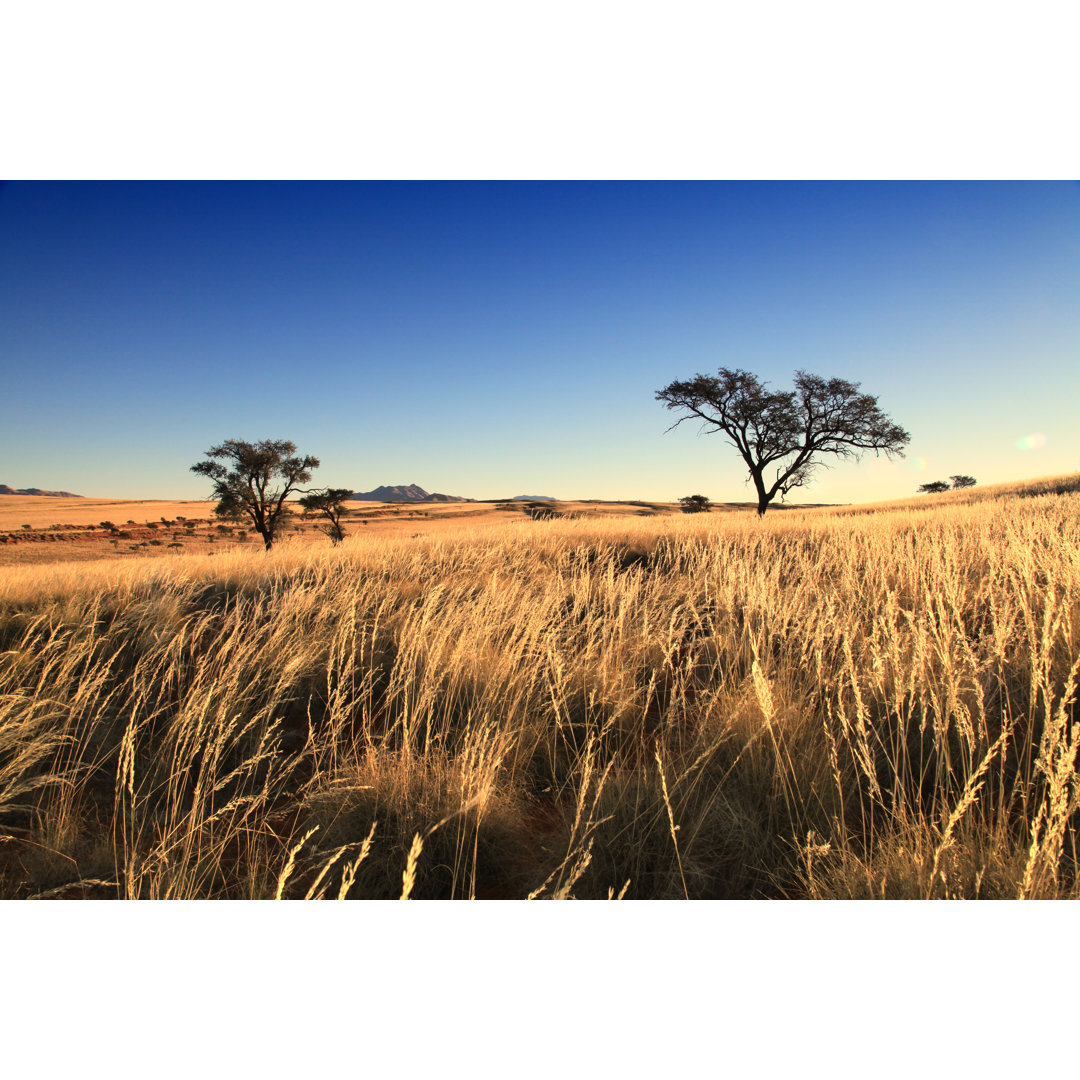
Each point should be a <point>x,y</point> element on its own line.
<point>817,704</point>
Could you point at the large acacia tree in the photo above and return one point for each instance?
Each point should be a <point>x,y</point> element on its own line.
<point>253,480</point>
<point>782,434</point>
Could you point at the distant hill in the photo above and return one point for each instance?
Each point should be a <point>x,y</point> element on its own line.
<point>538,498</point>
<point>405,493</point>
<point>5,490</point>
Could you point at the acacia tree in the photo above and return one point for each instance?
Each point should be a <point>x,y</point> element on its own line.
<point>253,480</point>
<point>786,431</point>
<point>328,504</point>
<point>695,504</point>
<point>935,487</point>
<point>962,481</point>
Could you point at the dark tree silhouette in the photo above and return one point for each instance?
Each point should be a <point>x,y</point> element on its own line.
<point>962,481</point>
<point>328,504</point>
<point>255,481</point>
<point>695,504</point>
<point>935,487</point>
<point>787,431</point>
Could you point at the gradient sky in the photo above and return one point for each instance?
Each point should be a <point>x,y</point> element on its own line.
<point>495,339</point>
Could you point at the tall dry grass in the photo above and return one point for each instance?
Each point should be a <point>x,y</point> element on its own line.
<point>816,704</point>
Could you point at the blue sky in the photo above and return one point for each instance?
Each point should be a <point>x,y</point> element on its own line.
<point>493,339</point>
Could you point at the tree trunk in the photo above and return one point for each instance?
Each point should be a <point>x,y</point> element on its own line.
<point>268,539</point>
<point>763,496</point>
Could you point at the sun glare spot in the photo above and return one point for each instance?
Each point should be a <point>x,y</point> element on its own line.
<point>1031,442</point>
<point>919,463</point>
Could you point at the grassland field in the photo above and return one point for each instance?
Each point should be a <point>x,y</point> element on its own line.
<point>620,701</point>
<point>42,529</point>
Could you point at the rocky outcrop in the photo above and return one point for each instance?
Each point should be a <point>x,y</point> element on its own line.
<point>5,490</point>
<point>404,493</point>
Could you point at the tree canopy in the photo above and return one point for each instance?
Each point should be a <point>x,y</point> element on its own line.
<point>253,480</point>
<point>785,431</point>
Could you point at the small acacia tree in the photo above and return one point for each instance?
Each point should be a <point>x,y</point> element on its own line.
<point>253,480</point>
<point>328,504</point>
<point>695,504</point>
<point>962,481</point>
<point>785,430</point>
<point>935,487</point>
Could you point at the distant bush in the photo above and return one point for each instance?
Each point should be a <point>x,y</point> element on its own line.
<point>935,487</point>
<point>108,526</point>
<point>695,504</point>
<point>26,526</point>
<point>962,481</point>
<point>151,524</point>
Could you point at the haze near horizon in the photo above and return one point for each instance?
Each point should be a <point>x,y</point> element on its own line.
<point>488,339</point>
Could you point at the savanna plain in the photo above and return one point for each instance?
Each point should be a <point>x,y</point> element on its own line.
<point>613,701</point>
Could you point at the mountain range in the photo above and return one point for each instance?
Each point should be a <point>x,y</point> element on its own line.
<point>405,493</point>
<point>5,490</point>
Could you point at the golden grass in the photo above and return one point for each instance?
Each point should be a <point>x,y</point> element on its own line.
<point>817,704</point>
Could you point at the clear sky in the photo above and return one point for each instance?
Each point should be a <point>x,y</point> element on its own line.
<point>496,339</point>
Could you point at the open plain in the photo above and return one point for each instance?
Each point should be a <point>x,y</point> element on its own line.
<point>466,701</point>
<point>40,529</point>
